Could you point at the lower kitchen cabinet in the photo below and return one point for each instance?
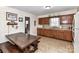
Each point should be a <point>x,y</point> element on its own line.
<point>59,34</point>
<point>38,31</point>
<point>68,35</point>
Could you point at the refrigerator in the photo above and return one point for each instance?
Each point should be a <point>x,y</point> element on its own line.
<point>76,32</point>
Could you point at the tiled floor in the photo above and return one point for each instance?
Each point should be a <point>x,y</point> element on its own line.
<point>50,45</point>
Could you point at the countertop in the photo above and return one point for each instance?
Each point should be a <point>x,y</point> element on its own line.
<point>57,29</point>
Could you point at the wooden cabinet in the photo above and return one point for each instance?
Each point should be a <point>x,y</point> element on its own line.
<point>45,32</point>
<point>68,35</point>
<point>59,34</point>
<point>66,19</point>
<point>38,31</point>
<point>53,33</point>
<point>43,20</point>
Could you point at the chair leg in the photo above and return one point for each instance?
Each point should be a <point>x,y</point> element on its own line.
<point>1,51</point>
<point>35,45</point>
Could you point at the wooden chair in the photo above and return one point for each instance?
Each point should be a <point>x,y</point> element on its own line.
<point>9,48</point>
<point>1,51</point>
<point>32,48</point>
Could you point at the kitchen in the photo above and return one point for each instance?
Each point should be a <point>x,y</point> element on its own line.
<point>59,27</point>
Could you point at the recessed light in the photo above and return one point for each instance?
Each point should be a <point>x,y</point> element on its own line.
<point>47,7</point>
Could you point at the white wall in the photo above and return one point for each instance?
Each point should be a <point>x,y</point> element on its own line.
<point>76,32</point>
<point>4,28</point>
<point>59,13</point>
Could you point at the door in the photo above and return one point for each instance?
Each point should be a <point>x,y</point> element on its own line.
<point>27,25</point>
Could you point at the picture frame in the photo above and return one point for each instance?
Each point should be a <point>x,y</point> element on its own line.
<point>20,19</point>
<point>11,16</point>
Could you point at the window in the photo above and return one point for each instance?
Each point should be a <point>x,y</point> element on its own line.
<point>54,22</point>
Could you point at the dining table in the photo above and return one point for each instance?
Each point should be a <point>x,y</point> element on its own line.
<point>22,41</point>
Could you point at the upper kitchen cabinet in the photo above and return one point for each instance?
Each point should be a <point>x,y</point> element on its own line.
<point>44,20</point>
<point>66,19</point>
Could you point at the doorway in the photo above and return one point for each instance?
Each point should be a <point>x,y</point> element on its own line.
<point>27,25</point>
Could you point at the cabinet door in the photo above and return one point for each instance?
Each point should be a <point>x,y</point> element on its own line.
<point>49,32</point>
<point>53,33</point>
<point>68,19</point>
<point>44,20</point>
<point>40,21</point>
<point>60,34</point>
<point>68,35</point>
<point>38,31</point>
<point>46,32</point>
<point>42,31</point>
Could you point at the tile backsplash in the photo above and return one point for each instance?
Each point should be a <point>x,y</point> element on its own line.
<point>63,26</point>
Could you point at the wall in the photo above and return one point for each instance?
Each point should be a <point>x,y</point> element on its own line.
<point>76,32</point>
<point>4,29</point>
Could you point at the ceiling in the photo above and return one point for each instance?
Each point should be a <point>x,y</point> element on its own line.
<point>40,10</point>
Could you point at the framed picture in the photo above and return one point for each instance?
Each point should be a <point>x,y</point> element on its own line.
<point>11,16</point>
<point>20,19</point>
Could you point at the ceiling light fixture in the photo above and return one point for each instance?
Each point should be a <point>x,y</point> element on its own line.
<point>47,7</point>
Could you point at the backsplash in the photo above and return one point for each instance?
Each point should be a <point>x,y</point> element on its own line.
<point>63,26</point>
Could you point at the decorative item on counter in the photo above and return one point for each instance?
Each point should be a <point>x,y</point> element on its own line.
<point>20,19</point>
<point>11,16</point>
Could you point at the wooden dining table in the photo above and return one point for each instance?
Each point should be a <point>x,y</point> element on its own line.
<point>22,40</point>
